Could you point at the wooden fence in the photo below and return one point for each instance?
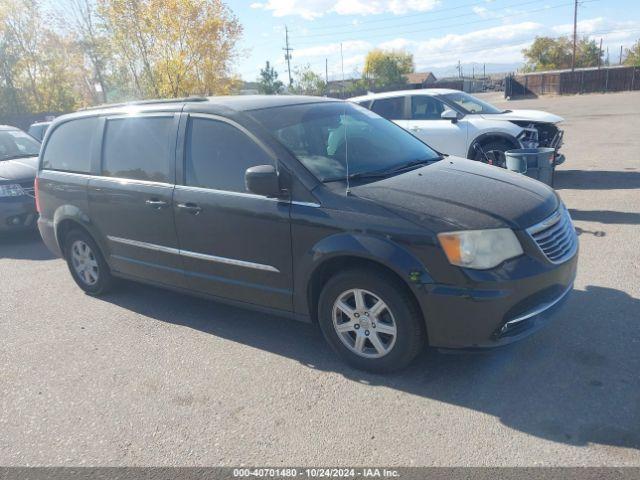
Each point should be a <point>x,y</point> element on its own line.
<point>611,79</point>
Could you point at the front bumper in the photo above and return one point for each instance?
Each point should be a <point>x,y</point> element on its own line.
<point>494,313</point>
<point>17,213</point>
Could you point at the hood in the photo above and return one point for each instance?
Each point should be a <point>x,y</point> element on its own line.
<point>460,194</point>
<point>19,169</point>
<point>525,115</point>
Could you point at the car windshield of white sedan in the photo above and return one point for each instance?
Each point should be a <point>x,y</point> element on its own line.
<point>323,136</point>
<point>16,144</point>
<point>471,104</point>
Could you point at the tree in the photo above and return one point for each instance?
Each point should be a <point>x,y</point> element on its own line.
<point>387,67</point>
<point>308,82</point>
<point>547,53</point>
<point>632,55</point>
<point>268,82</point>
<point>173,48</point>
<point>39,67</point>
<point>88,30</point>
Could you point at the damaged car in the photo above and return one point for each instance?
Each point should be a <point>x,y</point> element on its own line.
<point>456,123</point>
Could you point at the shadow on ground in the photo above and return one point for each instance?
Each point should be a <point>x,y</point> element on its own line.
<point>575,382</point>
<point>596,180</point>
<point>24,246</point>
<point>606,216</point>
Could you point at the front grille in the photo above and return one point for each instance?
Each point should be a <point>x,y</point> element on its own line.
<point>556,237</point>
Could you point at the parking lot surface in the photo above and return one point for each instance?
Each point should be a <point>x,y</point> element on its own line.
<point>149,377</point>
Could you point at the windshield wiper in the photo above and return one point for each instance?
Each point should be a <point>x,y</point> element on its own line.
<point>412,164</point>
<point>385,173</point>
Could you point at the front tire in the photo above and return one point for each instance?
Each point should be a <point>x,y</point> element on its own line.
<point>86,263</point>
<point>371,320</point>
<point>495,153</point>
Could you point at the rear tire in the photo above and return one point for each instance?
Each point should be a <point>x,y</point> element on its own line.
<point>86,263</point>
<point>371,320</point>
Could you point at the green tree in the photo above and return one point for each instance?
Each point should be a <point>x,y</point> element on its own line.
<point>387,67</point>
<point>547,53</point>
<point>632,55</point>
<point>173,48</point>
<point>268,82</point>
<point>308,82</point>
<point>39,68</point>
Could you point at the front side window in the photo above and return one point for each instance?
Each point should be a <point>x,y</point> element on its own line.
<point>70,146</point>
<point>424,107</point>
<point>470,104</point>
<point>139,148</point>
<point>389,108</point>
<point>326,136</point>
<point>218,155</point>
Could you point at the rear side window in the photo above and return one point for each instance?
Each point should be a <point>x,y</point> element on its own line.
<point>139,148</point>
<point>426,108</point>
<point>218,154</point>
<point>69,147</point>
<point>389,108</point>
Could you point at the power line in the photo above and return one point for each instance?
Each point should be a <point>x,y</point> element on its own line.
<point>399,17</point>
<point>501,17</point>
<point>419,22</point>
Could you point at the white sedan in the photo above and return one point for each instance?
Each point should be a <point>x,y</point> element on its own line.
<point>456,123</point>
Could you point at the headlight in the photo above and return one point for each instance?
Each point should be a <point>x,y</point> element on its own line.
<point>11,190</point>
<point>480,249</point>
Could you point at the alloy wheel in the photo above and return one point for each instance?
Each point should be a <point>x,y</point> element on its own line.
<point>364,323</point>
<point>84,262</point>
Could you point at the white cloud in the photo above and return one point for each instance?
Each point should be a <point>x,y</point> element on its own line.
<point>310,9</point>
<point>257,5</point>
<point>331,49</point>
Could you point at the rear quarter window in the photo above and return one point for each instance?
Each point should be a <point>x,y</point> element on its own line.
<point>69,147</point>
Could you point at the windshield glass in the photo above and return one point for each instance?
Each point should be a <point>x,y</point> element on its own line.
<point>15,143</point>
<point>323,135</point>
<point>471,104</point>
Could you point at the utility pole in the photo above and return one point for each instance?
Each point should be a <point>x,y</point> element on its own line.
<point>287,53</point>
<point>342,68</point>
<point>600,53</point>
<point>620,55</point>
<point>575,34</point>
<point>326,75</point>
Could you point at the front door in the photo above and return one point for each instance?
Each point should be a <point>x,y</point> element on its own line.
<point>441,134</point>
<point>131,200</point>
<point>233,244</point>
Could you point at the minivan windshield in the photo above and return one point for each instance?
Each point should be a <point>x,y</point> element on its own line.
<point>324,136</point>
<point>470,104</point>
<point>16,144</point>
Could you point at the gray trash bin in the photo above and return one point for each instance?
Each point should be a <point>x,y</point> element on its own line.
<point>533,162</point>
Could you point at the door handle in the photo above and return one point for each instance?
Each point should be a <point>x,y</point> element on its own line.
<point>193,208</point>
<point>155,203</point>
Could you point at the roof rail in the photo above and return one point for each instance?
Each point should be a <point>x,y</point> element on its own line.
<point>147,102</point>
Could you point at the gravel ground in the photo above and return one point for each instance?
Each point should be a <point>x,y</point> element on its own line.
<point>149,377</point>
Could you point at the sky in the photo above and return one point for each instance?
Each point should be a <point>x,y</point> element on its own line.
<point>438,33</point>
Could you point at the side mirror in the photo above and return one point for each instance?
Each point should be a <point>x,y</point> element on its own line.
<point>263,180</point>
<point>449,114</point>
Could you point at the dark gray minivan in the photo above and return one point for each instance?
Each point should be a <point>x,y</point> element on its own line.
<point>313,208</point>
